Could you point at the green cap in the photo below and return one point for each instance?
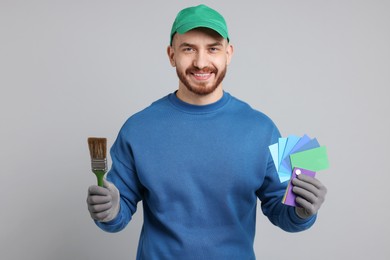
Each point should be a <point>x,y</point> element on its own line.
<point>199,16</point>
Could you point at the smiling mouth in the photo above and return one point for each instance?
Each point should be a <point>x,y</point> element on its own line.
<point>202,76</point>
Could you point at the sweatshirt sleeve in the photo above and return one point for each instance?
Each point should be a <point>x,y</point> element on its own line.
<point>123,175</point>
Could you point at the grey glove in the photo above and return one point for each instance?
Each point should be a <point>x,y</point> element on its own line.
<point>103,202</point>
<point>310,195</point>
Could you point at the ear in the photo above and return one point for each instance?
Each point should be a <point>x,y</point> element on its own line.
<point>171,55</point>
<point>229,53</point>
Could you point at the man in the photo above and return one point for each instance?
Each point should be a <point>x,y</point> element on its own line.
<point>198,159</point>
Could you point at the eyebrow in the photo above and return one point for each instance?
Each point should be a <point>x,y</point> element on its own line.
<point>186,44</point>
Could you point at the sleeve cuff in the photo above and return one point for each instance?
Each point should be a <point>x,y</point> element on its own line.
<point>298,220</point>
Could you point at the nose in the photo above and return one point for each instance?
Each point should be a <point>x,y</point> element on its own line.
<point>201,60</point>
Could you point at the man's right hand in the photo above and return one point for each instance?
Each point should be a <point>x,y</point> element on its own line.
<point>103,202</point>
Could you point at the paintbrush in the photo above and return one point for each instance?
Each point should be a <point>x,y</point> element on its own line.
<point>97,150</point>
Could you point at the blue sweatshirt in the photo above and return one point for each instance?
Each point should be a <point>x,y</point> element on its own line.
<point>198,171</point>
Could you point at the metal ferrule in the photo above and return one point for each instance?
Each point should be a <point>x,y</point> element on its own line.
<point>99,164</point>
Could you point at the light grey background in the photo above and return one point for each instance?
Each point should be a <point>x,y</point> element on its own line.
<point>77,68</point>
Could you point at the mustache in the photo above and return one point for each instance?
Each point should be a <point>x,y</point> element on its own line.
<point>202,70</point>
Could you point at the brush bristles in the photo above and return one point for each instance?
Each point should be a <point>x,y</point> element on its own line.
<point>97,147</point>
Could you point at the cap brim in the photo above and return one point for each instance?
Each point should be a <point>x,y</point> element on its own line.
<point>206,24</point>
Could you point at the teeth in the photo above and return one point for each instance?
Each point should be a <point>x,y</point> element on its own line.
<point>201,75</point>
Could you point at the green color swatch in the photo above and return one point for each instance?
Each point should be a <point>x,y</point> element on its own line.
<point>314,159</point>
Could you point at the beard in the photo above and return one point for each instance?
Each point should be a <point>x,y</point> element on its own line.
<point>202,89</point>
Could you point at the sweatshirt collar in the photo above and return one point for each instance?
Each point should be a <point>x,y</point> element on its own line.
<point>190,108</point>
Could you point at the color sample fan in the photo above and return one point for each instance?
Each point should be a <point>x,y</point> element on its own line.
<point>297,153</point>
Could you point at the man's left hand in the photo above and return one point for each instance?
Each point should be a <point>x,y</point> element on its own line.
<point>310,195</point>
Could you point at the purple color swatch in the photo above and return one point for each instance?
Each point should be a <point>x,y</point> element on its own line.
<point>289,197</point>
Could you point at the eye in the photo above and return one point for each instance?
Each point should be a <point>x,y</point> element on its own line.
<point>188,49</point>
<point>214,49</point>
